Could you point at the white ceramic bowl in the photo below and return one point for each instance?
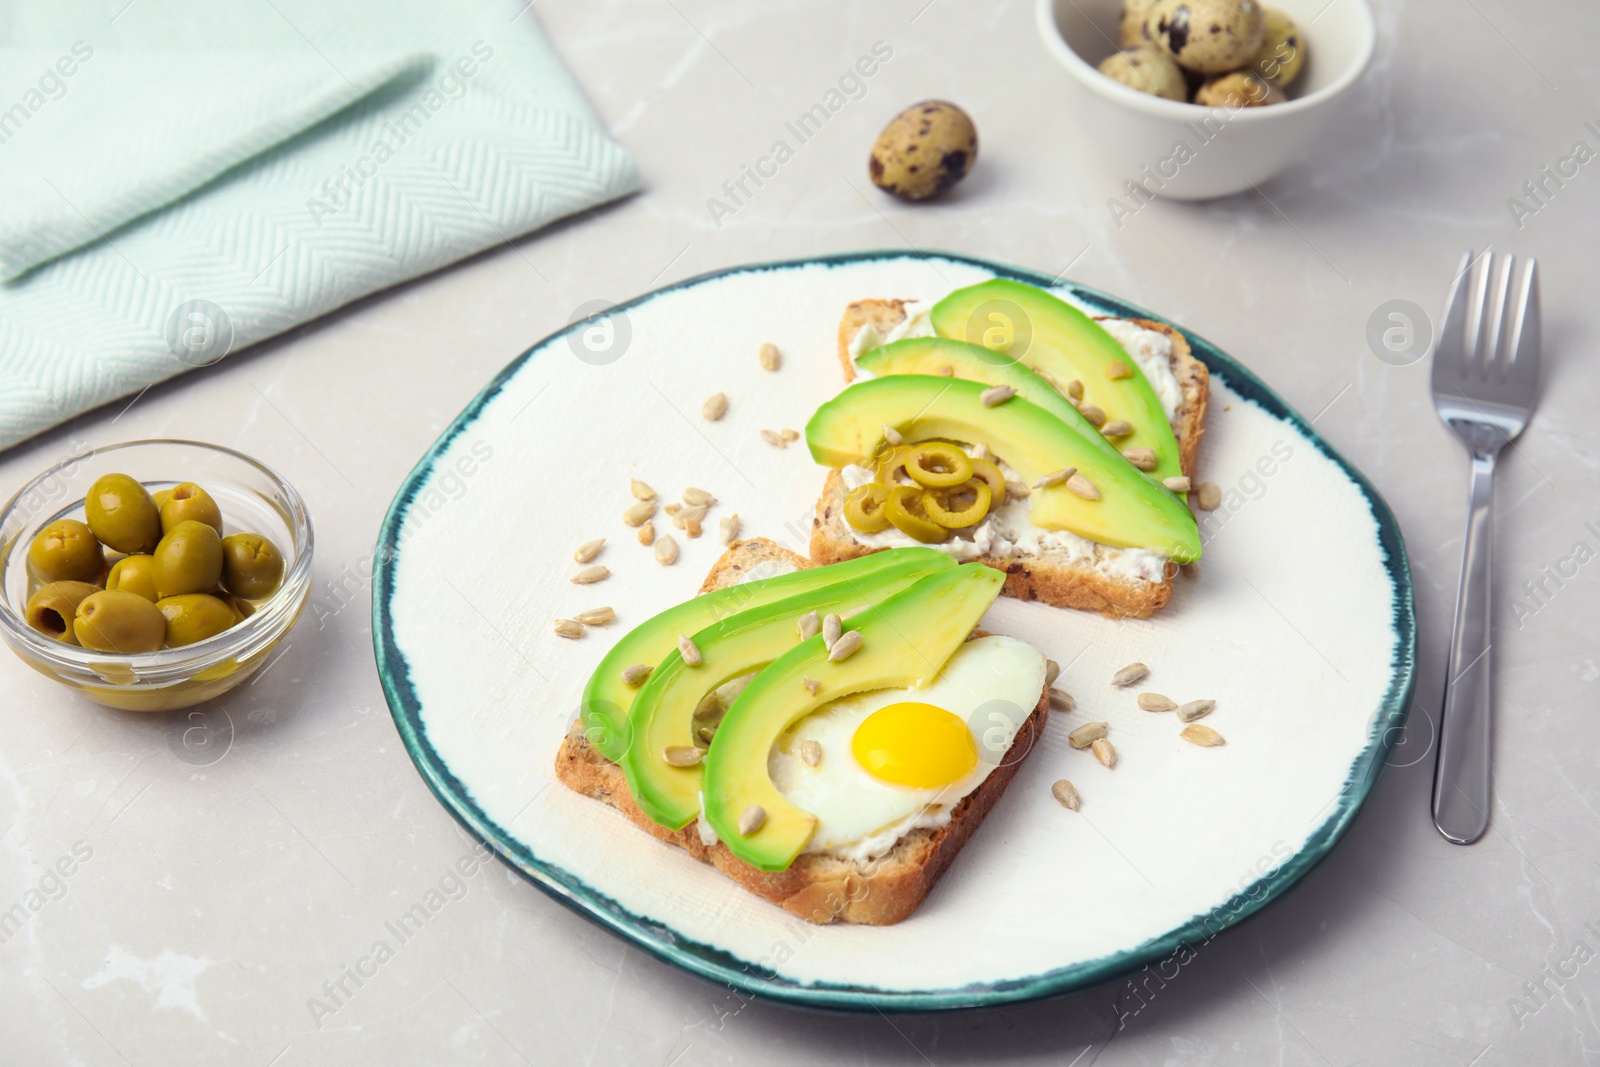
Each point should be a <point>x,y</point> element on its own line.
<point>1227,150</point>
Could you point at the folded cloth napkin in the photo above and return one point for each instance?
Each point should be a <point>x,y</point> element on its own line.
<point>181,179</point>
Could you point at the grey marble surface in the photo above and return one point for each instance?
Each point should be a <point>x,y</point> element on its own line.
<point>208,904</point>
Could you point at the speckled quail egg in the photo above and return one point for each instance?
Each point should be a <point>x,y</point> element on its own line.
<point>924,150</point>
<point>1283,50</point>
<point>1147,69</point>
<point>1132,27</point>
<point>1209,36</point>
<point>1236,89</point>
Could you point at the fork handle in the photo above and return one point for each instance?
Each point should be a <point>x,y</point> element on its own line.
<point>1461,776</point>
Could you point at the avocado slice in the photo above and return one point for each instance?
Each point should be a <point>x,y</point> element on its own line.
<point>663,712</point>
<point>607,698</point>
<point>1133,511</point>
<point>905,642</point>
<point>1062,343</point>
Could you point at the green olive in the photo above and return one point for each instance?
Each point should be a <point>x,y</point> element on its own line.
<point>251,566</point>
<point>66,551</point>
<point>114,620</point>
<point>122,515</point>
<point>194,617</point>
<point>50,610</point>
<point>160,498</point>
<point>188,560</point>
<point>243,607</point>
<point>188,501</point>
<point>134,574</point>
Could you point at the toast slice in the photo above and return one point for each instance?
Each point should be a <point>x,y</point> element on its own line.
<point>816,887</point>
<point>1051,577</point>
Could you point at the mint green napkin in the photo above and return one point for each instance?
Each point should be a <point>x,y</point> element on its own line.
<point>179,180</point>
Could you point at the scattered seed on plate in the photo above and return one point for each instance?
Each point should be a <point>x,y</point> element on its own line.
<point>1075,389</point>
<point>1116,370</point>
<point>751,819</point>
<point>1143,458</point>
<point>892,435</point>
<point>1061,700</point>
<point>1018,490</point>
<point>809,625</point>
<point>1117,428</point>
<point>1055,478</point>
<point>689,650</point>
<point>847,646</point>
<point>728,528</point>
<point>811,684</point>
<point>647,533</point>
<point>589,550</point>
<point>996,394</point>
<point>1210,496</point>
<point>1081,486</point>
<point>1052,671</point>
<point>1103,751</point>
<point>1157,702</point>
<point>640,490</point>
<point>771,358</point>
<point>1133,672</point>
<point>1196,709</point>
<point>639,513</point>
<point>682,755</point>
<point>685,516</point>
<point>773,438</point>
<point>979,451</point>
<point>715,407</point>
<point>596,617</point>
<point>569,628</point>
<point>1087,734</point>
<point>1096,417</point>
<point>636,674</point>
<point>692,528</point>
<point>1177,485</point>
<point>946,370</point>
<point>666,550</point>
<point>789,435</point>
<point>695,496</point>
<point>1200,734</point>
<point>811,752</point>
<point>1067,794</point>
<point>590,575</point>
<point>672,509</point>
<point>831,628</point>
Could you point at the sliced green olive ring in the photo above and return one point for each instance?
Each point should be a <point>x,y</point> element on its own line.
<point>891,463</point>
<point>938,465</point>
<point>963,505</point>
<point>863,508</point>
<point>990,474</point>
<point>904,509</point>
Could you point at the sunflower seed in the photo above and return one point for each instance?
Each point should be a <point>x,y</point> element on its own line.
<point>1143,458</point>
<point>1075,389</point>
<point>568,628</point>
<point>689,651</point>
<point>596,617</point>
<point>666,550</point>
<point>1052,671</point>
<point>789,435</point>
<point>715,407</point>
<point>979,451</point>
<point>1157,702</point>
<point>640,490</point>
<point>1096,417</point>
<point>1117,428</point>
<point>1083,487</point>
<point>773,438</point>
<point>831,629</point>
<point>589,550</point>
<point>1087,734</point>
<point>682,755</point>
<point>996,394</point>
<point>845,647</point>
<point>636,674</point>
<point>728,528</point>
<point>1117,369</point>
<point>1202,735</point>
<point>811,752</point>
<point>1210,496</point>
<point>706,733</point>
<point>1133,672</point>
<point>1196,709</point>
<point>640,513</point>
<point>751,819</point>
<point>811,684</point>
<point>808,625</point>
<point>1061,700</point>
<point>672,509</point>
<point>697,513</point>
<point>771,358</point>
<point>647,533</point>
<point>892,435</point>
<point>1018,490</point>
<point>1067,793</point>
<point>695,496</point>
<point>692,528</point>
<point>1103,751</point>
<point>590,575</point>
<point>1055,477</point>
<point>946,370</point>
<point>1177,485</point>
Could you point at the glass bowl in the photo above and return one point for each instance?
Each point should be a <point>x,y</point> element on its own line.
<point>252,497</point>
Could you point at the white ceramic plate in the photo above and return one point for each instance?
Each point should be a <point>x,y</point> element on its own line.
<point>1299,623</point>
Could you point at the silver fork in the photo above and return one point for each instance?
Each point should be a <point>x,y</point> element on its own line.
<point>1485,387</point>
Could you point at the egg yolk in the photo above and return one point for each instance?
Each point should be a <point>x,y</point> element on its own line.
<point>915,744</point>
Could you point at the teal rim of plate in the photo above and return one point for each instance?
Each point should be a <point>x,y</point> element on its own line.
<point>744,976</point>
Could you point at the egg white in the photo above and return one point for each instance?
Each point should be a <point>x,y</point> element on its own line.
<point>991,683</point>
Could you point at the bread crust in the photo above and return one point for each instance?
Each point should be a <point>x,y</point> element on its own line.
<point>817,888</point>
<point>1056,582</point>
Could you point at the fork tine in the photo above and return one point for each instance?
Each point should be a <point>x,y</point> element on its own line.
<point>1449,353</point>
<point>1480,344</point>
<point>1502,318</point>
<point>1523,346</point>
